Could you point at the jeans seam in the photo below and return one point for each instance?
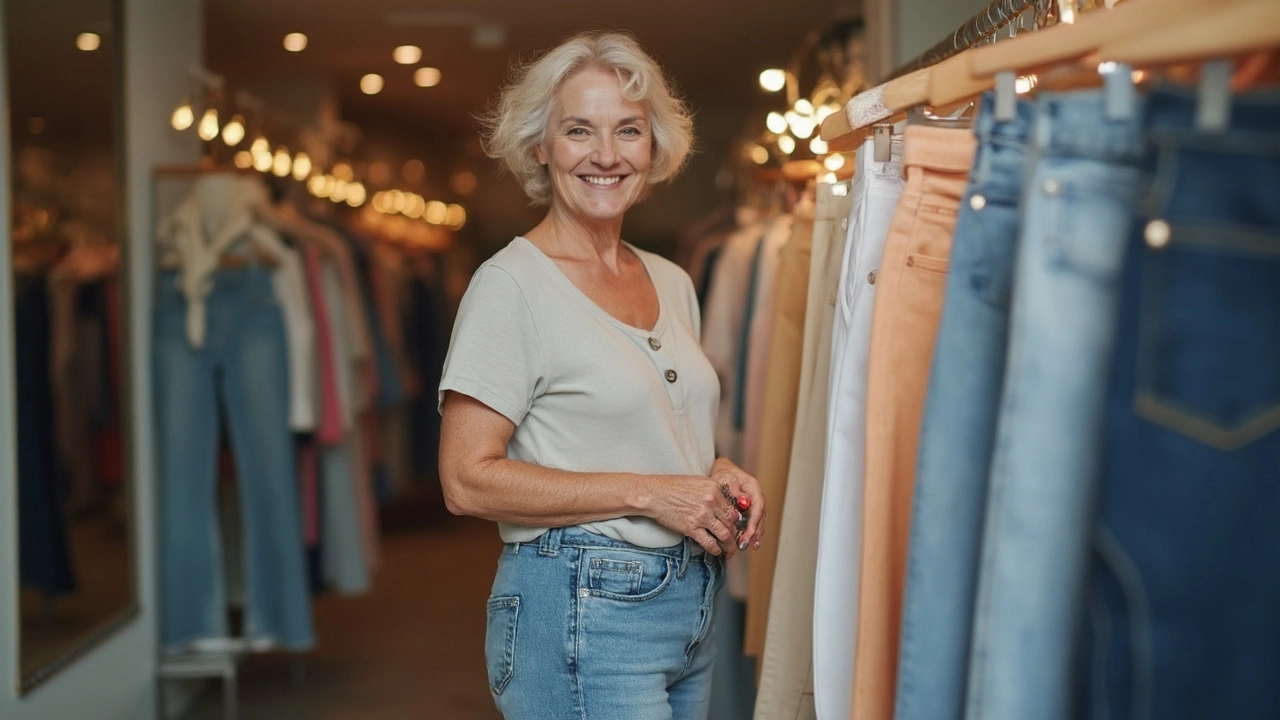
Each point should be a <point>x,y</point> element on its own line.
<point>575,632</point>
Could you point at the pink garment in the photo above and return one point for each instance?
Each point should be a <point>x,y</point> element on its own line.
<point>309,479</point>
<point>330,430</point>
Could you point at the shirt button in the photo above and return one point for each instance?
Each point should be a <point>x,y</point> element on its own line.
<point>671,376</point>
<point>655,344</point>
<point>977,202</point>
<point>871,276</point>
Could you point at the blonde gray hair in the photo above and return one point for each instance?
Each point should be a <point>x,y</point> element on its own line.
<point>518,123</point>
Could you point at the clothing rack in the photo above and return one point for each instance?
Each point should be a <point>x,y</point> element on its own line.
<point>973,32</point>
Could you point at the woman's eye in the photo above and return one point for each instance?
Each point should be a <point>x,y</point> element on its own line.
<point>577,132</point>
<point>632,132</point>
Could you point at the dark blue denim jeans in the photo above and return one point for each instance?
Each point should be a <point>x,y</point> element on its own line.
<point>959,428</point>
<point>1185,594</point>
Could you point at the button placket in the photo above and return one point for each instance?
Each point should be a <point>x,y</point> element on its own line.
<point>666,367</point>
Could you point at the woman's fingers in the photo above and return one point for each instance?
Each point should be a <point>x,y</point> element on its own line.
<point>707,541</point>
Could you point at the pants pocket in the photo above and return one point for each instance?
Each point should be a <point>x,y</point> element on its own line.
<point>500,641</point>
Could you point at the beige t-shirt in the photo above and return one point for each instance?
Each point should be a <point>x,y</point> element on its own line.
<point>586,392</point>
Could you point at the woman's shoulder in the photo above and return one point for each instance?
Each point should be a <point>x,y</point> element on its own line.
<point>665,271</point>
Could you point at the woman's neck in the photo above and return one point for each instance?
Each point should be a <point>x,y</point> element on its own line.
<point>563,234</point>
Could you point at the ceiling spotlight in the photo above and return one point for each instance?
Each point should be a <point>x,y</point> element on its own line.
<point>776,123</point>
<point>301,166</point>
<point>371,84</point>
<point>833,162</point>
<point>773,80</point>
<point>786,144</point>
<point>88,42</point>
<point>295,42</point>
<point>426,77</point>
<point>208,129</point>
<point>759,155</point>
<point>818,146</point>
<point>407,54</point>
<point>233,133</point>
<point>244,160</point>
<point>183,116</point>
<point>282,163</point>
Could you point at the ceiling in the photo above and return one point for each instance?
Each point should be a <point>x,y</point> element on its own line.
<point>713,49</point>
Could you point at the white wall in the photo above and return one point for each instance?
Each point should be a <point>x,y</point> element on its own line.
<point>116,681</point>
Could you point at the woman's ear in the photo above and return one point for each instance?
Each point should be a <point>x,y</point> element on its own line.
<point>540,154</point>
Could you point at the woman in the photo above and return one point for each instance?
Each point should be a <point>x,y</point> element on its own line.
<point>579,410</point>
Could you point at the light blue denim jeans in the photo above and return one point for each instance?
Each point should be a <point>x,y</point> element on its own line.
<point>243,367</point>
<point>1184,618</point>
<point>959,427</point>
<point>1078,208</point>
<point>584,627</point>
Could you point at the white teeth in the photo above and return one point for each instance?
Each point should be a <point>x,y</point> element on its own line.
<point>603,181</point>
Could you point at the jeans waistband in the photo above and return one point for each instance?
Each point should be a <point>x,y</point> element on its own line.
<point>1253,125</point>
<point>939,149</point>
<point>986,128</point>
<point>1075,125</point>
<point>550,542</point>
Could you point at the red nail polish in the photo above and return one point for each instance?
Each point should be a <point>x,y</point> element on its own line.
<point>744,503</point>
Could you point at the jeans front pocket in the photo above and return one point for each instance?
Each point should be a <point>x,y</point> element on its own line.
<point>628,575</point>
<point>1209,340</point>
<point>500,641</point>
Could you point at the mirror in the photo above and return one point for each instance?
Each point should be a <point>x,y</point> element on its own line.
<point>75,528</point>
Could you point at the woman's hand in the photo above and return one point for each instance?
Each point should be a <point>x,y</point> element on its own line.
<point>703,508</point>
<point>739,483</point>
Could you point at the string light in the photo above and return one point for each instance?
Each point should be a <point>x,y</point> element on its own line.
<point>371,84</point>
<point>263,162</point>
<point>244,160</point>
<point>414,205</point>
<point>301,166</point>
<point>233,133</point>
<point>183,116</point>
<point>317,185</point>
<point>818,146</point>
<point>436,212</point>
<point>343,171</point>
<point>208,129</point>
<point>426,77</point>
<point>295,42</point>
<point>88,42</point>
<point>802,127</point>
<point>379,201</point>
<point>833,162</point>
<point>355,195</point>
<point>759,155</point>
<point>776,123</point>
<point>786,144</point>
<point>396,201</point>
<point>282,163</point>
<point>804,107</point>
<point>773,80</point>
<point>455,216</point>
<point>407,54</point>
<point>339,192</point>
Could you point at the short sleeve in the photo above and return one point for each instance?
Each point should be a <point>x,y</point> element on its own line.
<point>495,354</point>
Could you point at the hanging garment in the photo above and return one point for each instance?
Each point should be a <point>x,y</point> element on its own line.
<point>782,387</point>
<point>290,285</point>
<point>786,675</point>
<point>959,427</point>
<point>243,366</point>
<point>331,408</point>
<point>1182,606</point>
<point>1077,208</point>
<point>909,293</point>
<point>876,189</point>
<point>758,334</point>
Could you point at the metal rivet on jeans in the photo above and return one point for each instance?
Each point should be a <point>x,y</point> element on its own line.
<point>871,276</point>
<point>671,376</point>
<point>584,592</point>
<point>1052,187</point>
<point>1157,234</point>
<point>977,202</point>
<point>655,344</point>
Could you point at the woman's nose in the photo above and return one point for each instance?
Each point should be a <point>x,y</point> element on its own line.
<point>606,154</point>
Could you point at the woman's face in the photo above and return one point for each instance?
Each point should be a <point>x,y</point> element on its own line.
<point>598,147</point>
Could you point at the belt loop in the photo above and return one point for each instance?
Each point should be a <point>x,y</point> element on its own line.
<point>549,543</point>
<point>684,557</point>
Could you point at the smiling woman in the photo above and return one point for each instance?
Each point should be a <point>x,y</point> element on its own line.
<point>579,409</point>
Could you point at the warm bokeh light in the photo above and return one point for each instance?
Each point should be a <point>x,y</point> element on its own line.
<point>396,201</point>
<point>786,144</point>
<point>776,123</point>
<point>343,171</point>
<point>426,77</point>
<point>233,133</point>
<point>436,212</point>
<point>244,160</point>
<point>379,173</point>
<point>773,80</point>
<point>407,54</point>
<point>818,146</point>
<point>455,216</point>
<point>414,205</point>
<point>379,201</point>
<point>208,129</point>
<point>356,195</point>
<point>263,162</point>
<point>339,192</point>
<point>295,42</point>
<point>301,166</point>
<point>804,107</point>
<point>802,126</point>
<point>371,84</point>
<point>183,116</point>
<point>317,185</point>
<point>414,171</point>
<point>282,163</point>
<point>833,162</point>
<point>759,155</point>
<point>465,182</point>
<point>88,42</point>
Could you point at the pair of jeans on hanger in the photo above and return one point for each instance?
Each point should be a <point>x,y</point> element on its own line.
<point>242,367</point>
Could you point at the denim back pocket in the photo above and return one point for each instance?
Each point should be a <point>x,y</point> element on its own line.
<point>500,641</point>
<point>1209,340</point>
<point>627,575</point>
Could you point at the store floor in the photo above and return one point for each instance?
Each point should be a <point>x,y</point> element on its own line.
<point>411,649</point>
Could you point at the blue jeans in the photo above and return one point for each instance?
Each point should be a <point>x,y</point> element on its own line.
<point>959,427</point>
<point>1077,211</point>
<point>585,627</point>
<point>242,366</point>
<point>1185,593</point>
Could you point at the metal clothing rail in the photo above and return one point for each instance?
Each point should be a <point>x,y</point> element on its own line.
<point>978,28</point>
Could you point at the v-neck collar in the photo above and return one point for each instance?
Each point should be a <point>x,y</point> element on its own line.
<point>554,270</point>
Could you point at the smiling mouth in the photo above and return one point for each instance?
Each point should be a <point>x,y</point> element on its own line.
<point>603,181</point>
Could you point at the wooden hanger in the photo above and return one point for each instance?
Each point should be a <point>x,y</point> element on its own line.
<point>1237,28</point>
